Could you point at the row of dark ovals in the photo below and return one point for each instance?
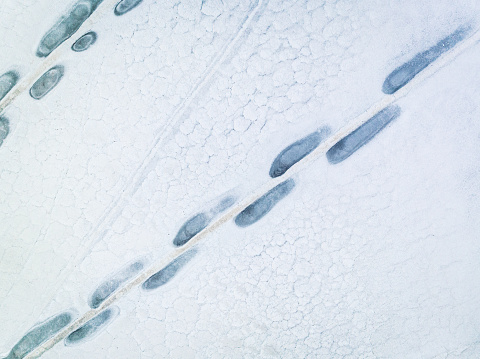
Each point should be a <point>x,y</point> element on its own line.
<point>292,154</point>
<point>250,215</point>
<point>298,150</point>
<point>69,24</point>
<point>48,328</point>
<point>61,31</point>
<point>353,141</point>
<point>285,160</point>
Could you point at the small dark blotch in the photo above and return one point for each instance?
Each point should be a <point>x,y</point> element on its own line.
<point>7,81</point>
<point>85,41</point>
<point>164,275</point>
<point>406,72</point>
<point>296,151</point>
<point>4,129</point>
<point>47,82</point>
<point>125,6</point>
<point>66,26</point>
<point>103,292</point>
<point>39,334</point>
<point>136,267</point>
<point>110,285</point>
<point>190,229</point>
<point>91,327</point>
<point>224,204</point>
<point>264,204</point>
<point>362,135</point>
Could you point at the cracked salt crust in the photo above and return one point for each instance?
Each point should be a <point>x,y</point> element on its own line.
<point>345,260</point>
<point>69,208</point>
<point>237,146</point>
<point>311,286</point>
<point>23,24</point>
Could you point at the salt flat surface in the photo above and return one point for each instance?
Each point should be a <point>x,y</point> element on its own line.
<point>374,257</point>
<point>174,109</point>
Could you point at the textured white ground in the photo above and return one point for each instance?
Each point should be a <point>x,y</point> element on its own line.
<point>170,109</point>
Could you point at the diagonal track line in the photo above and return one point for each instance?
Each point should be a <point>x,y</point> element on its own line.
<point>115,209</point>
<point>132,184</point>
<point>298,167</point>
<point>27,80</point>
